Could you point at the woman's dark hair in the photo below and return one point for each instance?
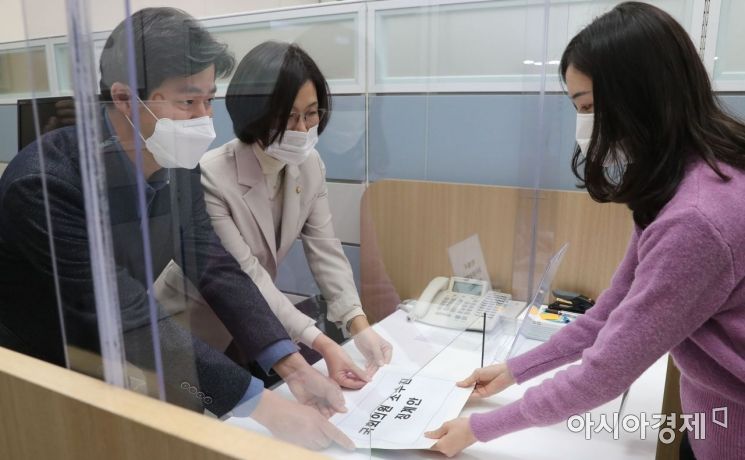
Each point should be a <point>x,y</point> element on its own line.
<point>168,43</point>
<point>263,90</point>
<point>653,102</point>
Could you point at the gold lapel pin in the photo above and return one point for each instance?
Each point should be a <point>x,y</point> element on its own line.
<point>297,189</point>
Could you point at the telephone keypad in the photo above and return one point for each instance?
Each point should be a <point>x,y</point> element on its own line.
<point>467,309</point>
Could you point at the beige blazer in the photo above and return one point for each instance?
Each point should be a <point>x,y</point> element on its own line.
<point>238,203</point>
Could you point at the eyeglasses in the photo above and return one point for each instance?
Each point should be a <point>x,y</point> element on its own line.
<point>310,119</point>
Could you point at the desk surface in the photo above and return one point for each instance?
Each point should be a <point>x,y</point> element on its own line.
<point>455,355</point>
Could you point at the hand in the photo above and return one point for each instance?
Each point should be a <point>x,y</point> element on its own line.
<point>297,424</point>
<point>376,350</point>
<point>309,386</point>
<point>488,380</point>
<point>341,367</point>
<point>452,436</point>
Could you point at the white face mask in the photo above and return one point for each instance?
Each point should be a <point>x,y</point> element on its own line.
<point>295,146</point>
<point>179,143</point>
<point>583,134</point>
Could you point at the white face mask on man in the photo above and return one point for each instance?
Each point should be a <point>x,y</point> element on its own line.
<point>295,146</point>
<point>179,143</point>
<point>583,135</point>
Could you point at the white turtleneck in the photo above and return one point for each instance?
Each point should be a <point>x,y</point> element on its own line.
<point>273,170</point>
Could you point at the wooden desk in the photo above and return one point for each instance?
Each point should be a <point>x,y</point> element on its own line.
<point>52,412</point>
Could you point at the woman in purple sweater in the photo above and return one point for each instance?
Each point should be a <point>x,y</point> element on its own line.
<point>652,135</point>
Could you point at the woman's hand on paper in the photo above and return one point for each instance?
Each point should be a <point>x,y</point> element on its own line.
<point>452,437</point>
<point>376,350</point>
<point>340,366</point>
<point>488,381</point>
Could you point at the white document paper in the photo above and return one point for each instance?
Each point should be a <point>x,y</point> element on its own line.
<point>395,409</point>
<point>467,259</point>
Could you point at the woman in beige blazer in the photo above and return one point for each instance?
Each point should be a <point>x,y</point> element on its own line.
<point>266,188</point>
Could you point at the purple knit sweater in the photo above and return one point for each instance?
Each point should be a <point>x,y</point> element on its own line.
<point>679,288</point>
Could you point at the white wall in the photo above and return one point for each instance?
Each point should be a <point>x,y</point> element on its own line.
<point>11,21</point>
<point>47,17</point>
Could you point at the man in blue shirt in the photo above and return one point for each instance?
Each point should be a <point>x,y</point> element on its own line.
<point>47,300</point>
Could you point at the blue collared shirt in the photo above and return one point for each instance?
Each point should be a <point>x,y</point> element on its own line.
<point>266,359</point>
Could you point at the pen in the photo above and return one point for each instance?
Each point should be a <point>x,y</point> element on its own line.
<point>565,316</point>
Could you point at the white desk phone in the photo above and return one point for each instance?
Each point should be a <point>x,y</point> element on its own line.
<point>458,303</point>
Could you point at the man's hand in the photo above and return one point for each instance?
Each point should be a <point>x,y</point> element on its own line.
<point>297,424</point>
<point>452,437</point>
<point>309,386</point>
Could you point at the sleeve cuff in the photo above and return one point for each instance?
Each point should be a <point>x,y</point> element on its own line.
<point>309,335</point>
<point>344,308</point>
<point>250,400</point>
<point>273,353</point>
<point>354,312</point>
<point>499,422</point>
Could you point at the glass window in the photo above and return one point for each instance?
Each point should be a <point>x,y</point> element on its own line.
<point>424,44</point>
<point>62,64</point>
<point>331,40</point>
<point>15,78</point>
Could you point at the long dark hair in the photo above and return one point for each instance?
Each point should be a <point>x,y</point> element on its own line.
<point>262,91</point>
<point>652,101</point>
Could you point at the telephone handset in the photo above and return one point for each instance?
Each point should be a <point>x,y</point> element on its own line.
<point>459,303</point>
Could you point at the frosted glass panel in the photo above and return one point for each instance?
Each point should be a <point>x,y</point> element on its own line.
<point>62,63</point>
<point>730,57</point>
<point>503,39</point>
<point>330,40</point>
<point>15,78</point>
<point>430,41</point>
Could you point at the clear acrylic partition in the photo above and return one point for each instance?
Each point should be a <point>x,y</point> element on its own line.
<point>468,142</point>
<point>455,169</point>
<point>132,283</point>
<point>24,83</point>
<point>53,206</point>
<point>448,129</point>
